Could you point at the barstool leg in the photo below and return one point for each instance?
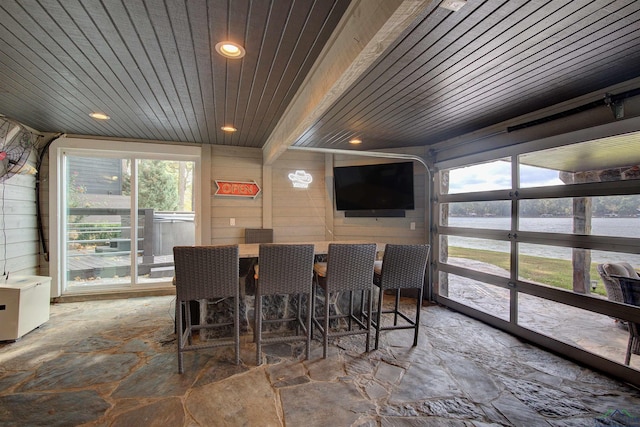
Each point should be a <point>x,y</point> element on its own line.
<point>309,324</point>
<point>236,327</point>
<point>417,324</point>
<point>258,331</point>
<point>396,308</point>
<point>179,327</point>
<point>379,316</point>
<point>325,337</point>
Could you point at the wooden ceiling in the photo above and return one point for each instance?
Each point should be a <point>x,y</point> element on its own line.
<point>434,73</point>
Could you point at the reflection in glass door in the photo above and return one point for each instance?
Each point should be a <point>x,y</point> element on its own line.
<point>112,202</point>
<point>165,215</point>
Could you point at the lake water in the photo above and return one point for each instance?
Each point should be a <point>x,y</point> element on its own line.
<point>618,227</point>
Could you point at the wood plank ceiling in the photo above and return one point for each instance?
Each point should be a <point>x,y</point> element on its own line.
<point>152,67</point>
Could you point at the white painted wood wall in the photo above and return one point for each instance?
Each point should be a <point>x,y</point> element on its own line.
<point>18,224</point>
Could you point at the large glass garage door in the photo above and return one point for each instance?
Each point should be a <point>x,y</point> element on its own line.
<point>523,241</point>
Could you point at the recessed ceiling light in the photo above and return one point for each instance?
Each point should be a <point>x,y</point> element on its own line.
<point>99,116</point>
<point>228,128</point>
<point>355,141</point>
<point>454,5</point>
<point>230,50</point>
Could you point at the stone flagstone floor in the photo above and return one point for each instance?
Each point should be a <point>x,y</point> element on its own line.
<point>113,363</point>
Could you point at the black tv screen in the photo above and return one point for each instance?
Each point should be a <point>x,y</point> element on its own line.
<point>387,186</point>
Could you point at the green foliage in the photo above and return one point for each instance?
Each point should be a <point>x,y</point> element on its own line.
<point>619,205</point>
<point>158,186</point>
<point>75,197</point>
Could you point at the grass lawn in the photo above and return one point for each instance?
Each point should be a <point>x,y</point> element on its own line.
<point>550,271</point>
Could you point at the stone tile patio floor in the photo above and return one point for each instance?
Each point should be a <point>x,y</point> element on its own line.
<point>113,363</point>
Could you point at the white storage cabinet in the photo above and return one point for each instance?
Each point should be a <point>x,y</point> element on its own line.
<point>24,305</point>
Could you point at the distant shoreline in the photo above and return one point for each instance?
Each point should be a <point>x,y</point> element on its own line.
<point>614,227</point>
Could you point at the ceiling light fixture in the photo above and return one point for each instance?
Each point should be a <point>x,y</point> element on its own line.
<point>230,50</point>
<point>99,116</point>
<point>228,128</point>
<point>355,141</point>
<point>454,5</point>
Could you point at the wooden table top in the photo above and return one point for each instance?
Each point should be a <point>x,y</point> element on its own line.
<point>251,250</point>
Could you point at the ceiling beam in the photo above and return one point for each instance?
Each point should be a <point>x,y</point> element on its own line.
<point>366,30</point>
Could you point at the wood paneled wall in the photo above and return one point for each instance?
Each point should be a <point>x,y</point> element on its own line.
<point>296,214</point>
<point>234,164</point>
<point>299,213</point>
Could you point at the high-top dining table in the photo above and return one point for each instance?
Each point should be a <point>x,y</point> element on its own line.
<point>251,250</point>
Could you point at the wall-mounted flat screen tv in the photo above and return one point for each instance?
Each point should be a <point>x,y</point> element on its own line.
<point>379,187</point>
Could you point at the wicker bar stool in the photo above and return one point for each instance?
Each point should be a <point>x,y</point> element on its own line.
<point>402,267</point>
<point>631,294</point>
<point>349,268</point>
<point>204,272</point>
<point>258,235</point>
<point>285,269</point>
<point>254,235</point>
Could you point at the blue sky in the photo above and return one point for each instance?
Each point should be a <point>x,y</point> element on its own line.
<point>497,176</point>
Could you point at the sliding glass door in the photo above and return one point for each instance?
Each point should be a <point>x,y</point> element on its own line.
<point>121,215</point>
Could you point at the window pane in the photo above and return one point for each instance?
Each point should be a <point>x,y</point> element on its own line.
<point>482,296</point>
<point>591,161</point>
<point>601,257</point>
<point>532,176</point>
<point>553,266</point>
<point>490,215</point>
<point>488,256</point>
<point>546,215</point>
<point>617,207</point>
<point>166,217</point>
<point>98,223</point>
<point>495,175</point>
<point>594,332</point>
<point>544,264</point>
<point>598,285</point>
<point>610,216</point>
<point>616,227</point>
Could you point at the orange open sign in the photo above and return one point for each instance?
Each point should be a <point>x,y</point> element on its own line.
<point>237,188</point>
